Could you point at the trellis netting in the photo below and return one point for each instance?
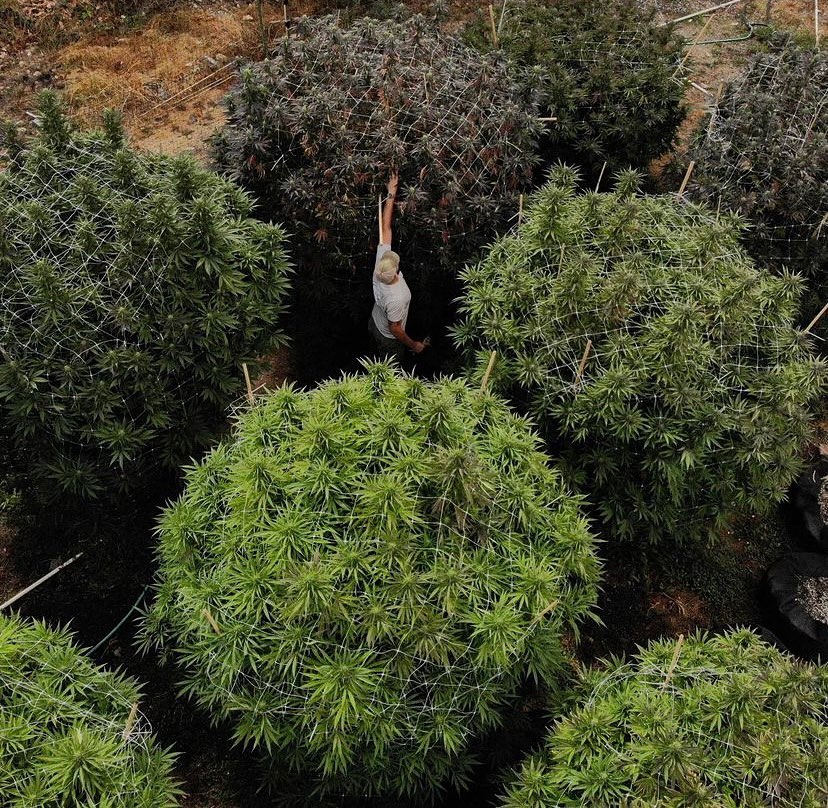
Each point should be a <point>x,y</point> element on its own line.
<point>362,577</point>
<point>71,733</point>
<point>714,720</point>
<point>763,152</point>
<point>661,365</point>
<point>132,286</point>
<point>316,130</point>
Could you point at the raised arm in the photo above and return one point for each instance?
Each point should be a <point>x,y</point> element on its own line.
<point>388,210</point>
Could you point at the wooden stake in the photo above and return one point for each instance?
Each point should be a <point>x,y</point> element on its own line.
<point>494,27</point>
<point>686,178</point>
<point>130,722</point>
<point>261,25</point>
<point>205,613</point>
<point>673,662</point>
<point>816,22</point>
<point>703,11</point>
<point>489,368</point>
<point>38,582</point>
<point>248,384</point>
<point>520,210</point>
<point>693,44</point>
<point>816,319</point>
<point>502,15</point>
<point>540,615</point>
<point>581,367</point>
<point>285,14</point>
<point>600,176</point>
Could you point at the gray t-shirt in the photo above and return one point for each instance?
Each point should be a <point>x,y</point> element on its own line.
<point>391,300</point>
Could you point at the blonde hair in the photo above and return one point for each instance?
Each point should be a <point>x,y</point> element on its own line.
<point>387,267</point>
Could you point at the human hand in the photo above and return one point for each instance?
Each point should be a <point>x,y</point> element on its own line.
<point>393,182</point>
<point>419,347</point>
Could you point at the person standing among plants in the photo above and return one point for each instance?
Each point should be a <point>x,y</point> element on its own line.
<point>392,296</point>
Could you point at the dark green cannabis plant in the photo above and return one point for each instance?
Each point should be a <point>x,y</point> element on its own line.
<point>662,366</point>
<point>69,736</point>
<point>613,79</point>
<point>365,574</point>
<point>716,721</point>
<point>315,131</point>
<point>764,153</point>
<point>131,287</point>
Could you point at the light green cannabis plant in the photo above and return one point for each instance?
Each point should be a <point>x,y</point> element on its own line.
<point>725,721</point>
<point>69,735</point>
<point>132,286</point>
<point>363,576</point>
<point>662,366</point>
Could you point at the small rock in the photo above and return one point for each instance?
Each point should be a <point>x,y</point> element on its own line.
<point>37,75</point>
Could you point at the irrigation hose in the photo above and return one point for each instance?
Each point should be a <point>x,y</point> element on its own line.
<point>748,35</point>
<point>122,620</point>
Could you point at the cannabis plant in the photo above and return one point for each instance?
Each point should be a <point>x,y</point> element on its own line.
<point>764,153</point>
<point>70,733</point>
<point>132,285</point>
<point>714,721</point>
<point>613,79</point>
<point>661,365</point>
<point>316,130</point>
<point>363,576</point>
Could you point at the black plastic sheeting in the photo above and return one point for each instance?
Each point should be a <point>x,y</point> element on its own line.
<point>798,630</point>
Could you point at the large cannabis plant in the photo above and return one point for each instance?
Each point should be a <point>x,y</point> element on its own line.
<point>714,721</point>
<point>764,153</point>
<point>131,286</point>
<point>659,362</point>
<point>70,734</point>
<point>613,79</point>
<point>316,130</point>
<point>361,579</point>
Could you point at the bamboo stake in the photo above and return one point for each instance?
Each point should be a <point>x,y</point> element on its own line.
<point>673,662</point>
<point>547,119</point>
<point>130,722</point>
<point>489,368</point>
<point>502,15</point>
<point>205,612</point>
<point>703,11</point>
<point>600,176</point>
<point>686,178</point>
<point>540,615</point>
<point>520,210</point>
<point>494,26</point>
<point>816,22</point>
<point>581,367</point>
<point>811,324</point>
<point>285,14</point>
<point>248,384</point>
<point>693,44</point>
<point>38,582</point>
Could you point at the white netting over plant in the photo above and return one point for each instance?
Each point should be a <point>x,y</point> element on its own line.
<point>132,287</point>
<point>316,130</point>
<point>764,153</point>
<point>71,733</point>
<point>363,576</point>
<point>658,361</point>
<point>721,720</point>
